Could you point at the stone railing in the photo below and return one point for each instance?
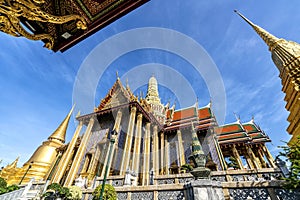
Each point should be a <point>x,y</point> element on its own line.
<point>12,195</point>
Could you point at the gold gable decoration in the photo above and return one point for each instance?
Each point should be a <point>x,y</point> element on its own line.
<point>14,12</point>
<point>61,24</point>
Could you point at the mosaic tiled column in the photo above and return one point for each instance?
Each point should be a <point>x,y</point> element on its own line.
<point>167,155</point>
<point>155,151</point>
<point>137,144</point>
<point>80,153</point>
<point>61,168</point>
<point>269,156</point>
<point>127,147</point>
<point>237,157</point>
<point>180,148</point>
<point>162,152</point>
<point>117,129</point>
<point>146,155</point>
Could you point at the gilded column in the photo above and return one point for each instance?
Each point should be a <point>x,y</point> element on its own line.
<point>61,168</point>
<point>92,168</point>
<point>146,155</point>
<point>167,155</point>
<point>162,149</point>
<point>155,151</point>
<point>180,148</point>
<point>237,157</point>
<point>80,153</point>
<point>248,159</point>
<point>127,147</point>
<point>269,156</point>
<point>117,129</point>
<point>253,158</point>
<point>137,144</point>
<point>261,157</point>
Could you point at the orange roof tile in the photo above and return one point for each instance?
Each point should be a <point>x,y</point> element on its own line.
<point>231,128</point>
<point>250,128</point>
<point>204,113</point>
<point>182,114</point>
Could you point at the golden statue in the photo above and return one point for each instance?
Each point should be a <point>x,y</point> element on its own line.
<point>12,10</point>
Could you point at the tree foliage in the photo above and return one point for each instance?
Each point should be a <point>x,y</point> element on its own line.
<point>109,192</point>
<point>3,183</point>
<point>233,163</point>
<point>186,167</point>
<point>4,188</point>
<point>55,190</point>
<point>75,193</point>
<point>292,154</point>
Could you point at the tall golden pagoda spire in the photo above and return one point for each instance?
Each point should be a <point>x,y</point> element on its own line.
<point>60,132</point>
<point>286,56</point>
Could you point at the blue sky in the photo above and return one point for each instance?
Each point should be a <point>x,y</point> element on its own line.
<point>37,85</point>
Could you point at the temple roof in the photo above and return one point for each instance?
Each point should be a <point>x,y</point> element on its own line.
<point>183,117</point>
<point>238,132</point>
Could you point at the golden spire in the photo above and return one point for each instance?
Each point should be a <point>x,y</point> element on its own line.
<point>285,54</point>
<point>268,38</point>
<point>60,132</point>
<point>13,164</point>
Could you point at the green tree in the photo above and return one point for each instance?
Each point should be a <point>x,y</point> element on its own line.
<point>109,192</point>
<point>3,183</point>
<point>56,190</point>
<point>292,154</point>
<point>186,167</point>
<point>233,163</point>
<point>75,193</point>
<point>4,188</point>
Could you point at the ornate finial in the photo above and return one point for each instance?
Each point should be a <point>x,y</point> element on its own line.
<point>60,132</point>
<point>78,114</point>
<point>117,74</point>
<point>13,164</point>
<point>237,116</point>
<point>127,85</point>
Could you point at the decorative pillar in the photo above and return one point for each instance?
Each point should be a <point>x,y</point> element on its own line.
<point>269,156</point>
<point>162,147</point>
<point>167,160</point>
<point>80,153</point>
<point>253,158</point>
<point>220,154</point>
<point>146,164</point>
<point>155,151</point>
<point>115,144</point>
<point>137,144</point>
<point>180,148</point>
<point>127,147</point>
<point>261,157</point>
<point>61,168</point>
<point>248,159</point>
<point>237,157</point>
<point>256,158</point>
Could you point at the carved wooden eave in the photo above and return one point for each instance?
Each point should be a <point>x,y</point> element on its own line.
<point>61,24</point>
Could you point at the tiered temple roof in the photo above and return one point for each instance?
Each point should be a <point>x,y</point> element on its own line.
<point>238,132</point>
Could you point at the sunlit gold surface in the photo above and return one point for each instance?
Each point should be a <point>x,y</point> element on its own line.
<point>12,11</point>
<point>41,160</point>
<point>286,56</point>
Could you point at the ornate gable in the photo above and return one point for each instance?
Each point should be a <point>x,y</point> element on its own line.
<point>116,96</point>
